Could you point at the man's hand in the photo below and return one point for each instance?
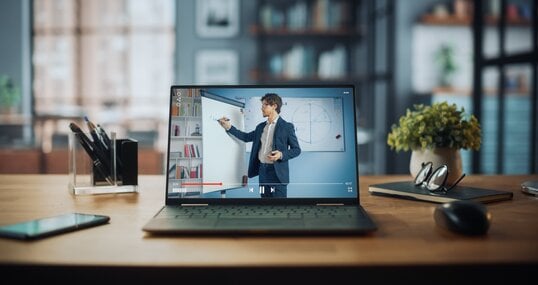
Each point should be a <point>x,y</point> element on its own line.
<point>274,155</point>
<point>225,123</point>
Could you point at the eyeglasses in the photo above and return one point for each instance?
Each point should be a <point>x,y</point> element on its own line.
<point>434,181</point>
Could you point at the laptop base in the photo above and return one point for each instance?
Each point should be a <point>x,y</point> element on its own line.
<point>260,219</point>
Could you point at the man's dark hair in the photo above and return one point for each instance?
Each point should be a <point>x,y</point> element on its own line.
<point>272,98</point>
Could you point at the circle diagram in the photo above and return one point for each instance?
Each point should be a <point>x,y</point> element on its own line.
<point>312,122</point>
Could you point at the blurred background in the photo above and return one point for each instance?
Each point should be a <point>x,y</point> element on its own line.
<point>114,61</point>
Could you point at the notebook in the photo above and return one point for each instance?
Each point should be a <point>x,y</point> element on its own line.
<point>262,160</point>
<point>408,190</point>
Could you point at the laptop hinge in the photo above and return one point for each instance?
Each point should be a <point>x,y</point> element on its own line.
<point>193,205</point>
<point>330,204</point>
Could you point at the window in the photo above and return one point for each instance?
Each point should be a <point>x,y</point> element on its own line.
<point>112,60</point>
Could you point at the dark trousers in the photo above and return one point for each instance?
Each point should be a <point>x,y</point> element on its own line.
<point>270,186</point>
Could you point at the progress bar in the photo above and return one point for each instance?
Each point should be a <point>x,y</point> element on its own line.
<point>201,184</point>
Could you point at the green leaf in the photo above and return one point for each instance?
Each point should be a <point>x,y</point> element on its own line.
<point>438,125</point>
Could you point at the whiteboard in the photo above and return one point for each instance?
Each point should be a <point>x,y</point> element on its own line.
<point>318,122</point>
<point>224,155</point>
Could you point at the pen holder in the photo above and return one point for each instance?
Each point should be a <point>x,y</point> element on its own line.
<point>114,170</point>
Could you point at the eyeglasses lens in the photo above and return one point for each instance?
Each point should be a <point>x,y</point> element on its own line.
<point>438,178</point>
<point>422,175</point>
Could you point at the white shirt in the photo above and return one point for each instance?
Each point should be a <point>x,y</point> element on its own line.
<point>267,141</point>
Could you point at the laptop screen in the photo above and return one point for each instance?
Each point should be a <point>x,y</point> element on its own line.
<point>262,142</point>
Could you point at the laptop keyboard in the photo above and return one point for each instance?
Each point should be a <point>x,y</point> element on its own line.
<point>259,211</point>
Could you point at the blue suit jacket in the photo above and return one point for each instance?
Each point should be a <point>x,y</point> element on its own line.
<point>284,140</point>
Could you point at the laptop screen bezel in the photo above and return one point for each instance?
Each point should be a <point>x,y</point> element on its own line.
<point>260,201</point>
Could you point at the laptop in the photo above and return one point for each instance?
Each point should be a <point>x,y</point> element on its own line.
<point>248,159</point>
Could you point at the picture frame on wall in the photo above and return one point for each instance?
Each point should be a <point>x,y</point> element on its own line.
<point>217,67</point>
<point>217,18</point>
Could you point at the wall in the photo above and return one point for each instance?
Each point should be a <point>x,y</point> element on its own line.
<point>188,42</point>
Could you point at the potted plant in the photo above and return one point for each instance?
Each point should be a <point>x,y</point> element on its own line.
<point>9,95</point>
<point>446,64</point>
<point>436,133</point>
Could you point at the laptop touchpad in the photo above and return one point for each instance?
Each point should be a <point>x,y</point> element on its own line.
<point>253,223</point>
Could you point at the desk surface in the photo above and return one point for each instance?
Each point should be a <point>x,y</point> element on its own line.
<point>407,235</point>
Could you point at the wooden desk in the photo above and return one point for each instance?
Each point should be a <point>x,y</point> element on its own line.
<point>406,247</point>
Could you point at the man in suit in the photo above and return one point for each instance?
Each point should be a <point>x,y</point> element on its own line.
<point>273,143</point>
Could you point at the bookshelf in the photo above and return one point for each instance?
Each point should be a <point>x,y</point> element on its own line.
<point>460,13</point>
<point>305,41</point>
<point>451,20</point>
<point>495,62</point>
<point>185,165</point>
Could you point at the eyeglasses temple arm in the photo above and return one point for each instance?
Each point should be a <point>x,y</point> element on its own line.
<point>457,181</point>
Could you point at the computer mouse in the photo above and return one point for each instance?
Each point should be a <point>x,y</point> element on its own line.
<point>463,217</point>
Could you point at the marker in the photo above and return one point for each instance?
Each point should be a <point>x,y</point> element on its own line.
<point>274,152</point>
<point>97,159</point>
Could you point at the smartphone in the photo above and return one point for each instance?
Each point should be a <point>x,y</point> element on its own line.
<point>44,227</point>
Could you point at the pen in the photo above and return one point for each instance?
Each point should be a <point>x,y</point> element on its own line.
<point>103,134</point>
<point>97,138</point>
<point>99,147</point>
<point>89,147</point>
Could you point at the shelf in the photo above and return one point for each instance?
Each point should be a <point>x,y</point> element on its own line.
<point>284,32</point>
<point>186,117</point>
<point>186,137</point>
<point>487,92</point>
<point>306,43</point>
<point>255,74</point>
<point>185,179</point>
<point>452,20</point>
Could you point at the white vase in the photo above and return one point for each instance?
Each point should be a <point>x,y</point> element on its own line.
<point>438,156</point>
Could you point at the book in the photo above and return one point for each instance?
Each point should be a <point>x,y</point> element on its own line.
<point>172,171</point>
<point>408,190</point>
<point>175,110</point>
<point>194,172</point>
<point>178,171</point>
<point>187,150</point>
<point>193,153</point>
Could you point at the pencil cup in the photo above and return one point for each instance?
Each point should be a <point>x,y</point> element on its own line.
<point>100,169</point>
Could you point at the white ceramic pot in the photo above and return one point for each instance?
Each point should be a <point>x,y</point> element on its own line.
<point>438,156</point>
